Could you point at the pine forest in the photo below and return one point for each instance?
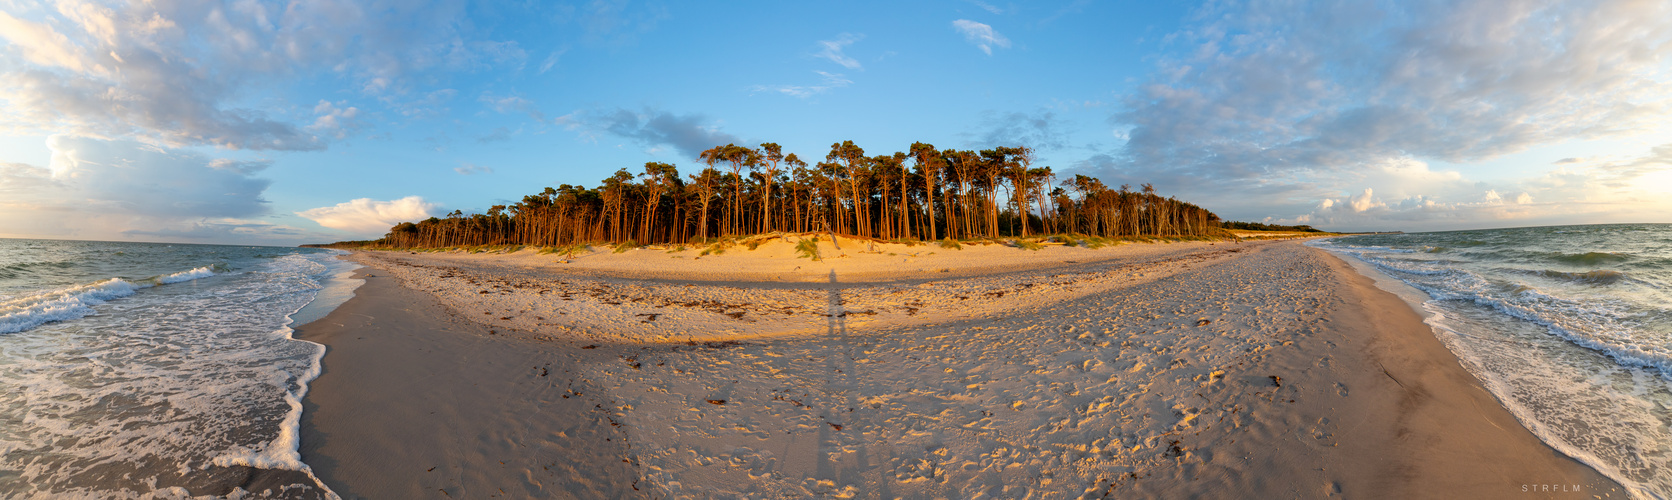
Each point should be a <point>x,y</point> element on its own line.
<point>922,194</point>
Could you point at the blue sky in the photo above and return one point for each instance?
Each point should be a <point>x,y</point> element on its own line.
<point>283,123</point>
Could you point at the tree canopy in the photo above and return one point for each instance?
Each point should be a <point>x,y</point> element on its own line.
<point>923,193</point>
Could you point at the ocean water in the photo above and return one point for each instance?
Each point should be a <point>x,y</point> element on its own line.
<point>1569,326</point>
<point>138,370</point>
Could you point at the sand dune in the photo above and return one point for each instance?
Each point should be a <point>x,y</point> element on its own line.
<point>1253,370</point>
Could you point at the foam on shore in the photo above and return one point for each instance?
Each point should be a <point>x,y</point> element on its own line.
<point>171,391</point>
<point>1510,366</point>
<point>64,304</point>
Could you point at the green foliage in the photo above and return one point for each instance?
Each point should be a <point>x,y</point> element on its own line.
<point>1257,226</point>
<point>719,247</point>
<point>951,244</point>
<point>808,248</point>
<point>1028,245</point>
<point>625,246</point>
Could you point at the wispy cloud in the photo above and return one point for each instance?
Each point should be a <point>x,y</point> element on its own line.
<point>472,169</point>
<point>981,35</point>
<point>994,9</point>
<point>1074,7</point>
<point>512,104</point>
<point>831,81</point>
<point>551,60</point>
<point>618,22</point>
<point>832,50</point>
<point>498,134</point>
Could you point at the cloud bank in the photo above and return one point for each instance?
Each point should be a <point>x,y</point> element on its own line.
<point>370,218</point>
<point>1272,101</point>
<point>96,188</point>
<point>191,72</point>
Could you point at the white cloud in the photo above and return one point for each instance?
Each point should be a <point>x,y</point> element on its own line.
<point>42,45</point>
<point>103,189</point>
<point>551,60</point>
<point>832,50</point>
<point>1283,104</point>
<point>1567,195</point>
<point>994,9</point>
<point>512,104</point>
<point>368,217</point>
<point>336,120</point>
<point>831,81</point>
<point>147,180</point>
<point>472,168</point>
<point>981,35</point>
<point>188,72</point>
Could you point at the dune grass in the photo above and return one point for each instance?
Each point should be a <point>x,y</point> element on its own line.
<point>808,248</point>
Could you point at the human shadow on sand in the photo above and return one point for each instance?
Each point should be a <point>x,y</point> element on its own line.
<point>837,318</point>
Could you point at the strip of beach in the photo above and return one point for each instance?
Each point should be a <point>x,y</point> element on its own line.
<point>1260,369</point>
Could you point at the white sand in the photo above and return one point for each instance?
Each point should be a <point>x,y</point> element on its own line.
<point>652,295</point>
<point>1254,370</point>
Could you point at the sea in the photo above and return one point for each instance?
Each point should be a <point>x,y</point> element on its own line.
<point>1569,326</point>
<point>147,370</point>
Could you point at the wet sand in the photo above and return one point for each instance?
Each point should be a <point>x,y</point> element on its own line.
<point>1258,370</point>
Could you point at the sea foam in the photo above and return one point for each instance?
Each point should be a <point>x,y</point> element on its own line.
<point>1569,328</point>
<point>29,311</point>
<point>166,383</point>
<point>183,276</point>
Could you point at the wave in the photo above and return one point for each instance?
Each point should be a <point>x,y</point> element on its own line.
<point>1602,326</point>
<point>1598,277</point>
<point>21,269</point>
<point>1590,258</point>
<point>64,304</point>
<point>24,313</point>
<point>183,276</point>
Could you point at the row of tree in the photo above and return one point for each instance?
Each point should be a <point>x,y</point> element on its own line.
<point>924,193</point>
<point>1261,226</point>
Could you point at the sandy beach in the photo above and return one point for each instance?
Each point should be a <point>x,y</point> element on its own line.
<point>1198,369</point>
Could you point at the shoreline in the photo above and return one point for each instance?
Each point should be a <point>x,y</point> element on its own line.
<point>1465,341</point>
<point>1092,375</point>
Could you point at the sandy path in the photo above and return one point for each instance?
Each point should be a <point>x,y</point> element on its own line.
<point>1269,371</point>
